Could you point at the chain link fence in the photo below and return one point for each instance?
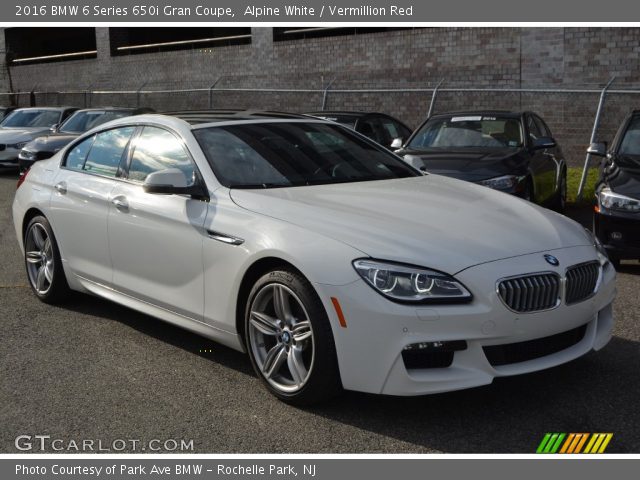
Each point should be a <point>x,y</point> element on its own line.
<point>570,112</point>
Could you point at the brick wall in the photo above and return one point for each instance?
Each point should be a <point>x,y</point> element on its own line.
<point>464,57</point>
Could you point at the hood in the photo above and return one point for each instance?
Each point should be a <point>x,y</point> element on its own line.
<point>50,143</point>
<point>17,135</point>
<point>471,165</point>
<point>625,181</point>
<point>432,221</point>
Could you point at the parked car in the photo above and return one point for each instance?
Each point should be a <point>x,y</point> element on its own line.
<point>328,259</point>
<point>616,220</point>
<point>379,127</point>
<point>23,125</point>
<point>81,121</point>
<point>513,152</point>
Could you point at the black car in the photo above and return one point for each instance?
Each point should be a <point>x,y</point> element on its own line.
<point>616,220</point>
<point>514,152</point>
<point>81,121</point>
<point>379,127</point>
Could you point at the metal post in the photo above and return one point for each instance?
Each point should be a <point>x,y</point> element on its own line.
<point>138,94</point>
<point>594,132</point>
<point>433,98</point>
<point>326,92</point>
<point>213,85</point>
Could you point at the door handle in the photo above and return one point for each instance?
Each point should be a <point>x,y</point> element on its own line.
<point>120,203</point>
<point>61,187</point>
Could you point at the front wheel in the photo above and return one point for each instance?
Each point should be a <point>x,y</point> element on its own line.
<point>289,339</point>
<point>43,262</point>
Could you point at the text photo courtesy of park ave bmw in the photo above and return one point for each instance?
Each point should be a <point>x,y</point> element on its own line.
<point>268,235</point>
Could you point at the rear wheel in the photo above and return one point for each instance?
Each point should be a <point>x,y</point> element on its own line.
<point>289,339</point>
<point>43,262</point>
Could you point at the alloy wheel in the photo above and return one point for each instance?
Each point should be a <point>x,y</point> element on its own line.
<point>281,338</point>
<point>39,258</point>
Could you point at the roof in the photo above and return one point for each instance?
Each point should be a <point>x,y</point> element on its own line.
<point>195,117</point>
<point>355,113</point>
<point>490,112</point>
<point>64,107</point>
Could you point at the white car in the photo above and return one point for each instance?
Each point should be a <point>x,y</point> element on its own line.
<point>324,256</point>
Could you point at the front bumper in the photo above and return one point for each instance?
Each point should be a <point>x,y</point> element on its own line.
<point>9,158</point>
<point>619,234</point>
<point>377,330</point>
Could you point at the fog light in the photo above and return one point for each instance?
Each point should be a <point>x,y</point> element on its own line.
<point>449,346</point>
<point>616,236</point>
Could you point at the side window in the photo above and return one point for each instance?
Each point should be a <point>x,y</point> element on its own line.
<point>78,154</point>
<point>543,127</point>
<point>372,128</point>
<point>106,152</point>
<point>157,149</point>
<point>532,126</point>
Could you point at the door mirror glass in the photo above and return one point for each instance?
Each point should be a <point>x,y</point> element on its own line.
<point>397,143</point>
<point>543,142</point>
<point>598,149</point>
<point>54,127</point>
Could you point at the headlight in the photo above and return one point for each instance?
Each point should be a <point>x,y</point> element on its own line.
<point>614,201</point>
<point>410,284</point>
<point>26,155</point>
<point>17,146</point>
<point>502,183</point>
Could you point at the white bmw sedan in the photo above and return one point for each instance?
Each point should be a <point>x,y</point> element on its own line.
<point>325,257</point>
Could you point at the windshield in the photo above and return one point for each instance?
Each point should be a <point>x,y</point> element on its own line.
<point>31,119</point>
<point>470,131</point>
<point>630,144</point>
<point>80,122</point>
<point>285,154</point>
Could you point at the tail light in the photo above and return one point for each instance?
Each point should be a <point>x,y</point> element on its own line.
<point>22,178</point>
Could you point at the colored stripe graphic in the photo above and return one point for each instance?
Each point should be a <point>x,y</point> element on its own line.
<point>574,443</point>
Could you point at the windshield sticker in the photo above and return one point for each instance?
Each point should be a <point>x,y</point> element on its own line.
<point>466,119</point>
<point>489,118</point>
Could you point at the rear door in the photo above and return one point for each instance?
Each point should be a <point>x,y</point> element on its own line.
<point>155,240</point>
<point>80,202</point>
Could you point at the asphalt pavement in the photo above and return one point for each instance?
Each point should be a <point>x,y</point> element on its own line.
<point>94,370</point>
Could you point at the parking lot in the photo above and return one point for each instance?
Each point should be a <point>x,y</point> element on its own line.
<point>94,370</point>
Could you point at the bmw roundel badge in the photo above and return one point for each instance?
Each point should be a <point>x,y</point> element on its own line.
<point>551,260</point>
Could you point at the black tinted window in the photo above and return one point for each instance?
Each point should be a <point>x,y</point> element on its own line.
<point>282,154</point>
<point>631,141</point>
<point>534,131</point>
<point>78,154</point>
<point>106,152</point>
<point>157,149</point>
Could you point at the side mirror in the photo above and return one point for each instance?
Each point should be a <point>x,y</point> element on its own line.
<point>543,142</point>
<point>54,128</point>
<point>172,181</point>
<point>397,143</point>
<point>599,149</point>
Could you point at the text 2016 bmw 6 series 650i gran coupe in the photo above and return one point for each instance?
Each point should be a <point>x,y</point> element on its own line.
<point>328,259</point>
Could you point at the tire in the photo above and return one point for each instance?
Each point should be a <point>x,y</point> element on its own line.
<point>43,263</point>
<point>295,358</point>
<point>560,200</point>
<point>615,262</point>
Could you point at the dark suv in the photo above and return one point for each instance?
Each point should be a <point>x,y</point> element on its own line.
<point>616,220</point>
<point>514,152</point>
